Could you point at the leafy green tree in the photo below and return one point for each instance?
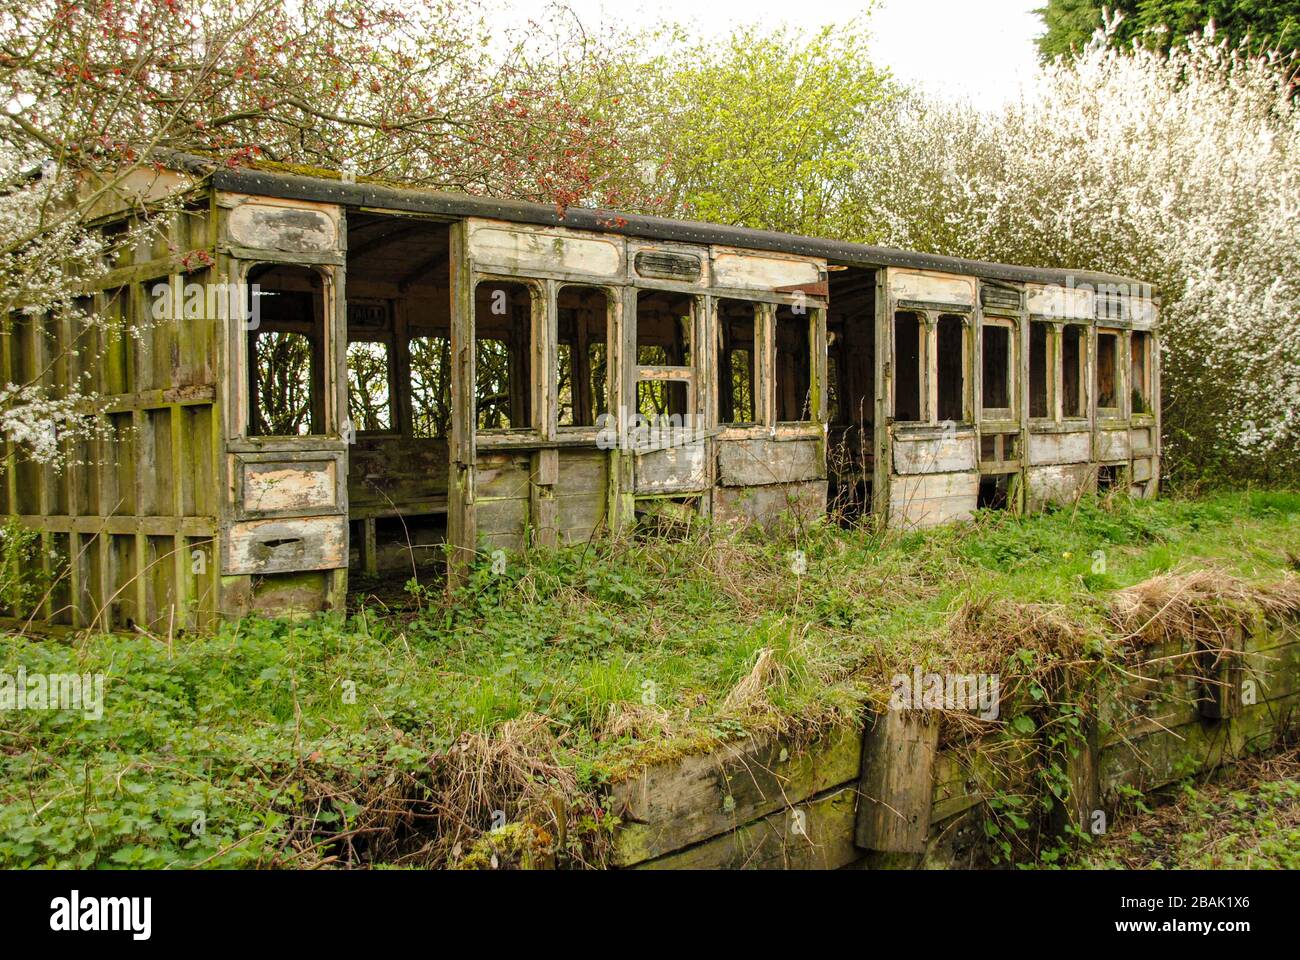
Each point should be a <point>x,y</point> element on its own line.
<point>1071,23</point>
<point>759,129</point>
<point>1160,24</point>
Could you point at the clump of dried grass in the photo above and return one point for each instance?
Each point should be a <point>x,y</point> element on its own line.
<point>985,631</point>
<point>752,689</point>
<point>1020,643</point>
<point>641,721</point>
<point>512,774</point>
<point>1203,608</point>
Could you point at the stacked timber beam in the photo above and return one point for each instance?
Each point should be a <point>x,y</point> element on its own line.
<point>889,794</point>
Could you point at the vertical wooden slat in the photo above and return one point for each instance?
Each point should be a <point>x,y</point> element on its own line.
<point>897,782</point>
<point>884,353</point>
<point>462,527</point>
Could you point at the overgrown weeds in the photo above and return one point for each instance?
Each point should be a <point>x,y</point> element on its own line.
<point>410,739</point>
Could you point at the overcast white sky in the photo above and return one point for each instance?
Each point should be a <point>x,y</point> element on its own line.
<point>977,49</point>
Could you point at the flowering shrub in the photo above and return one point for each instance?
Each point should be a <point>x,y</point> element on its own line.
<point>1182,170</point>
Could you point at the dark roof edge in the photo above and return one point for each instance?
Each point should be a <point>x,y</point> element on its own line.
<point>416,200</point>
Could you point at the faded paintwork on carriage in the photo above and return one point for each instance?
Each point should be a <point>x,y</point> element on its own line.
<point>779,352</point>
<point>261,225</point>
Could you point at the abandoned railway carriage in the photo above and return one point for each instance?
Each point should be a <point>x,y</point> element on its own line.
<point>309,377</point>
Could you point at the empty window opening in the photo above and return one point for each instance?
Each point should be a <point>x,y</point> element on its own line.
<point>995,492</point>
<point>660,399</point>
<point>399,316</point>
<point>492,384</point>
<point>430,359</point>
<point>950,346</point>
<point>1140,350</point>
<point>664,322</point>
<point>598,372</point>
<point>850,392</point>
<point>503,335</point>
<point>1072,378</point>
<point>793,375</point>
<point>1107,368</point>
<point>737,323</point>
<point>580,356</point>
<point>907,366</point>
<point>1039,385</point>
<point>989,448</point>
<point>997,369</point>
<point>835,412</point>
<point>369,395</point>
<point>396,545</point>
<point>286,395</point>
<point>1109,477</point>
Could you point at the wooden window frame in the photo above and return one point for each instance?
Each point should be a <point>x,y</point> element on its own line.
<point>1053,363</point>
<point>325,391</point>
<point>1084,381</point>
<point>1148,380</point>
<point>536,344</point>
<point>934,318</point>
<point>925,380</point>
<point>580,349</point>
<point>667,372</point>
<point>755,369</point>
<point>816,320</point>
<point>1011,412</point>
<point>1119,410</point>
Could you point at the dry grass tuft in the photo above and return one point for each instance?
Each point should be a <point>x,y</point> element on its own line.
<point>511,775</point>
<point>1205,607</point>
<point>641,721</point>
<point>985,631</point>
<point>751,691</point>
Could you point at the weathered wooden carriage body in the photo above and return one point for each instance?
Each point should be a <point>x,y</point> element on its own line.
<point>512,372</point>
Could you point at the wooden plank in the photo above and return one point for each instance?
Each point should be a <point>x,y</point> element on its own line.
<point>369,548</point>
<point>279,546</point>
<point>502,523</point>
<point>931,287</point>
<point>897,783</point>
<point>668,806</point>
<point>940,454</point>
<point>769,503</point>
<point>931,499</point>
<point>462,531</point>
<point>1112,445</point>
<point>1059,302</point>
<point>297,487</point>
<point>264,225</point>
<point>503,476</point>
<point>542,507</point>
<point>753,462</point>
<point>517,248</point>
<point>1057,484</point>
<point>122,524</point>
<point>814,835</point>
<point>1142,441</point>
<point>672,470</point>
<point>735,269</point>
<point>1055,448</point>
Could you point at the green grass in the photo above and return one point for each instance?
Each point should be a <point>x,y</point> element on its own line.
<point>626,650</point>
<point>1246,819</point>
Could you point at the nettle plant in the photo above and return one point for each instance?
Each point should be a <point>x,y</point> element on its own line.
<point>1183,170</point>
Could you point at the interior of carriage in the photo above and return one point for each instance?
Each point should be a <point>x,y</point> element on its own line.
<point>851,390</point>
